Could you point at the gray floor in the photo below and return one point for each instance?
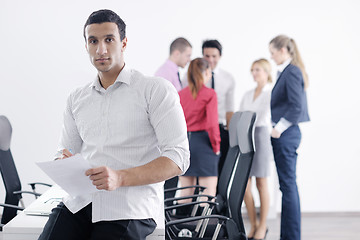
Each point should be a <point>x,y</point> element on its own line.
<point>321,226</point>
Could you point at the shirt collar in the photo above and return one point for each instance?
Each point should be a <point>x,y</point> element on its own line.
<point>216,69</point>
<point>172,65</point>
<point>123,77</point>
<point>282,66</point>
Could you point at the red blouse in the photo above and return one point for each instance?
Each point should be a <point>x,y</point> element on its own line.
<point>201,114</point>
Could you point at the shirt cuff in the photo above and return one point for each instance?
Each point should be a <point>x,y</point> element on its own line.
<point>282,125</point>
<point>181,159</point>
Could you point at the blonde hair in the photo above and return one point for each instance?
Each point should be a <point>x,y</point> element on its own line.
<point>265,65</point>
<point>283,41</point>
<point>195,75</point>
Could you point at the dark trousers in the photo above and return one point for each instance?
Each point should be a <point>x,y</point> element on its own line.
<point>63,224</point>
<point>285,155</point>
<point>224,146</point>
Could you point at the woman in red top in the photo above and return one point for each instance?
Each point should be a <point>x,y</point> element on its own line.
<point>200,108</point>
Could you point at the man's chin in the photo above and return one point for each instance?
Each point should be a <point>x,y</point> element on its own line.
<point>103,68</point>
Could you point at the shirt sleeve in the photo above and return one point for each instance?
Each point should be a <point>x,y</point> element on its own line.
<point>230,105</point>
<point>213,123</point>
<point>242,103</point>
<point>282,125</point>
<point>167,118</point>
<point>295,90</point>
<point>184,80</point>
<point>70,138</point>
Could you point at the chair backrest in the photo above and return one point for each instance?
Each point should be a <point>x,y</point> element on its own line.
<point>231,158</point>
<point>8,171</point>
<point>240,176</point>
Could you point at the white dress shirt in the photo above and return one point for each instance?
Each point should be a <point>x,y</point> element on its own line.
<point>225,89</point>
<point>261,105</point>
<point>131,123</point>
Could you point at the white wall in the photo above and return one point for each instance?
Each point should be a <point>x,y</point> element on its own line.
<point>43,58</point>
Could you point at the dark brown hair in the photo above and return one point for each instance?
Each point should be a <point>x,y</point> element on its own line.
<point>106,15</point>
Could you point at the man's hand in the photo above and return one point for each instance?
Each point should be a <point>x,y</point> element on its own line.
<point>104,178</point>
<point>275,133</point>
<point>64,154</point>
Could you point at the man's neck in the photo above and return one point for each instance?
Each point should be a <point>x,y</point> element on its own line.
<point>173,59</point>
<point>108,78</point>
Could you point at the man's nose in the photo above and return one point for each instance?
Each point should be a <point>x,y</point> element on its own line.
<point>101,50</point>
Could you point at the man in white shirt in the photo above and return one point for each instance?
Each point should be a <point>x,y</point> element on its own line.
<point>131,129</point>
<point>224,85</point>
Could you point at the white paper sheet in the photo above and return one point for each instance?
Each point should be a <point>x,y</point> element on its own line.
<point>69,174</point>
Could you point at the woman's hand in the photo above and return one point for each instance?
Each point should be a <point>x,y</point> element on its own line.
<point>275,133</point>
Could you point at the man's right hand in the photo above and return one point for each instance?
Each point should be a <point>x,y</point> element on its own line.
<point>65,154</point>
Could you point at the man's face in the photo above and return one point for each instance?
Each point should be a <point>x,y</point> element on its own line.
<point>185,57</point>
<point>104,46</point>
<point>212,55</point>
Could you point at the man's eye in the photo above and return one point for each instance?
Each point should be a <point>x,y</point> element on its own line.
<point>92,41</point>
<point>109,39</point>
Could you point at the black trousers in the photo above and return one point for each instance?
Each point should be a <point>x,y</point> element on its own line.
<point>63,224</point>
<point>224,146</point>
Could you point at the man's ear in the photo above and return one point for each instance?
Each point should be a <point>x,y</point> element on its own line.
<point>86,47</point>
<point>124,44</point>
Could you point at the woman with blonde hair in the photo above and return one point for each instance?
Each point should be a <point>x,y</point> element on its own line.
<point>288,109</point>
<point>258,100</point>
<point>200,109</point>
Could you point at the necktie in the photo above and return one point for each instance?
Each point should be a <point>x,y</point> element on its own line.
<point>278,74</point>
<point>212,80</point>
<point>179,79</point>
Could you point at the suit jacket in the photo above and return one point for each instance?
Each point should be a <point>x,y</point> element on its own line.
<point>288,97</point>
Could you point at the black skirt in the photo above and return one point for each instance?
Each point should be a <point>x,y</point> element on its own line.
<point>203,160</point>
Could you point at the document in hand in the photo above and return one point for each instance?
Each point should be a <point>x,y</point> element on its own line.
<point>69,174</point>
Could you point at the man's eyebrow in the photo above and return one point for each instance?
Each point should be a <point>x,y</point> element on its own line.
<point>105,36</point>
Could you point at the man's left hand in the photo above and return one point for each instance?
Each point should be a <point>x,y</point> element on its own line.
<point>104,178</point>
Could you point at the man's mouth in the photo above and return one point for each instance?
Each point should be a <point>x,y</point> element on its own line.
<point>102,59</point>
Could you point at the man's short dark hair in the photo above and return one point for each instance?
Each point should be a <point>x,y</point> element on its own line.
<point>212,44</point>
<point>106,15</point>
<point>179,44</point>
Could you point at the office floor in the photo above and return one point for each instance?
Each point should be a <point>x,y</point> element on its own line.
<point>321,226</point>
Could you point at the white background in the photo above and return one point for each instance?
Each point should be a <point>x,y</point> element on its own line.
<point>43,58</point>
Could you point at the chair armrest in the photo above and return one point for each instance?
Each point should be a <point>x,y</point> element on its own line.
<point>180,188</point>
<point>33,193</point>
<point>38,183</point>
<point>190,196</point>
<point>196,218</point>
<point>190,204</point>
<point>11,206</point>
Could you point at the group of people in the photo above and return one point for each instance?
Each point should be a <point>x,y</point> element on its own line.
<point>135,131</point>
<point>207,97</point>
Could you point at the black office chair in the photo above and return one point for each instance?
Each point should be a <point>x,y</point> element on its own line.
<point>220,204</point>
<point>224,179</point>
<point>232,221</point>
<point>10,175</point>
